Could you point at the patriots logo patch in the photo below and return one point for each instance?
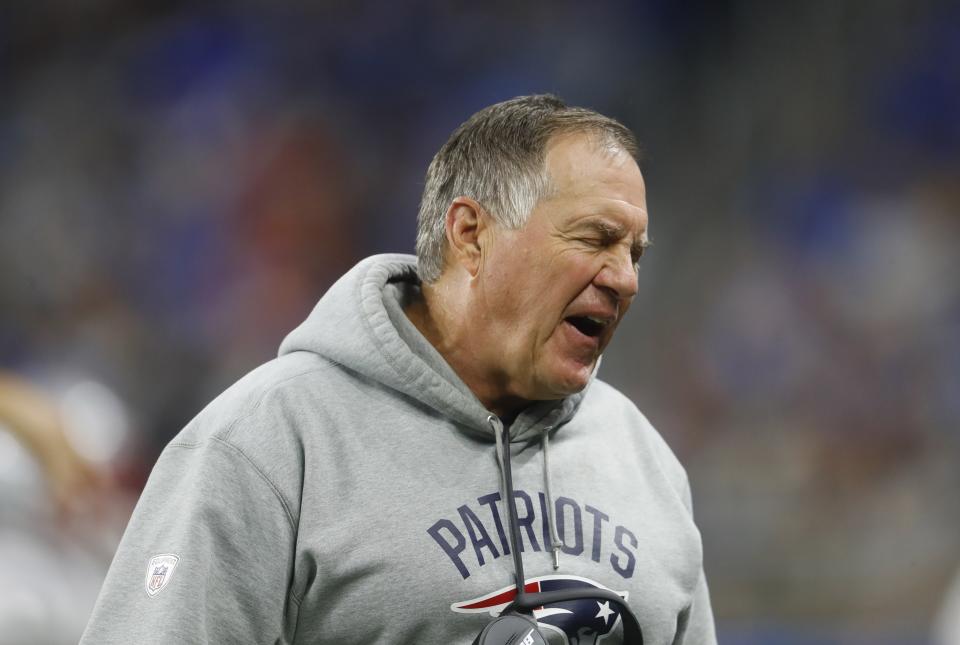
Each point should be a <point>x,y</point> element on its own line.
<point>579,622</point>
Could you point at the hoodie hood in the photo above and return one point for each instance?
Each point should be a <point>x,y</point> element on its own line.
<point>355,325</point>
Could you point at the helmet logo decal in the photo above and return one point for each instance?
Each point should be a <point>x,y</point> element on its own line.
<point>580,622</point>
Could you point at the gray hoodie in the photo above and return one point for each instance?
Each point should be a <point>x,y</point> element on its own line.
<point>349,491</point>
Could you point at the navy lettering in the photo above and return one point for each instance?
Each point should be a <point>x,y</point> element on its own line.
<point>478,534</point>
<point>472,527</point>
<point>452,550</point>
<point>598,517</point>
<point>625,570</point>
<point>561,516</point>
<point>526,521</point>
<point>491,501</point>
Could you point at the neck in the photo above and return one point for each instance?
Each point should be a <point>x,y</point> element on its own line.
<point>440,314</point>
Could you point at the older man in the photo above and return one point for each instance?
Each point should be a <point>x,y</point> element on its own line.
<point>353,490</point>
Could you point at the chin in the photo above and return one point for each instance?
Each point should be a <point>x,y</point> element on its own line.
<point>570,383</point>
<point>561,378</point>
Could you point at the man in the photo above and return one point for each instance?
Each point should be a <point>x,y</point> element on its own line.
<point>350,491</point>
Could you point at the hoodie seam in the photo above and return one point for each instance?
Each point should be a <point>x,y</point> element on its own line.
<point>283,504</point>
<point>214,440</point>
<point>225,436</point>
<point>273,487</point>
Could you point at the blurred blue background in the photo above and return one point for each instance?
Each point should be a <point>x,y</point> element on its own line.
<point>180,182</point>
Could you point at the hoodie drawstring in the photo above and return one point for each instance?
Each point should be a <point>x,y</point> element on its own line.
<point>497,427</point>
<point>506,487</point>
<point>554,538</point>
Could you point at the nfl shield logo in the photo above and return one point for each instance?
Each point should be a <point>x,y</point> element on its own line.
<point>159,571</point>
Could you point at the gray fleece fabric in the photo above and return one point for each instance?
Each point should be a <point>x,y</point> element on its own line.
<point>349,492</point>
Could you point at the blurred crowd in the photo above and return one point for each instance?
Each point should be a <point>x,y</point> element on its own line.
<point>180,183</point>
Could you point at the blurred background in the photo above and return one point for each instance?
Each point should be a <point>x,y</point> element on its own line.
<point>180,182</point>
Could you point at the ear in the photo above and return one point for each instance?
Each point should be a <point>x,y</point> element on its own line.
<point>466,220</point>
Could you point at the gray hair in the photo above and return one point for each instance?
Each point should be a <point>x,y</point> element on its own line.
<point>497,158</point>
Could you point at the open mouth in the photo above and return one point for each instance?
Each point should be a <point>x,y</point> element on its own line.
<point>587,325</point>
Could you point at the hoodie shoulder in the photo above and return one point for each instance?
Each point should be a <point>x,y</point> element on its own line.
<point>225,418</point>
<point>260,421</point>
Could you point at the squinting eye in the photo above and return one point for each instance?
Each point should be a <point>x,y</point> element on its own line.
<point>594,243</point>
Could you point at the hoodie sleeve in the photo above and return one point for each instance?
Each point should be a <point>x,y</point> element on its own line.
<point>206,558</point>
<point>698,628</point>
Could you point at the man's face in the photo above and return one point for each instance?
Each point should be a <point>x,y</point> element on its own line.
<point>552,293</point>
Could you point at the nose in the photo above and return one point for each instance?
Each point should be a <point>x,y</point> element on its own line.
<point>618,276</point>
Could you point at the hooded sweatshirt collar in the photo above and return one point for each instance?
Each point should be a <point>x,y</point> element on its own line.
<point>359,323</point>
